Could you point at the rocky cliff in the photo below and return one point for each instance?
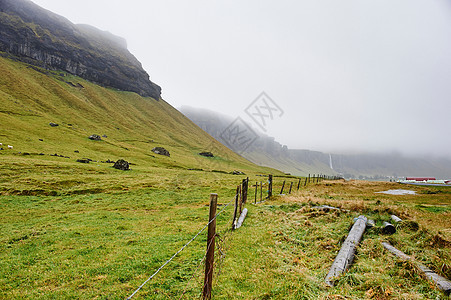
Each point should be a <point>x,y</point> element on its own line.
<point>42,38</point>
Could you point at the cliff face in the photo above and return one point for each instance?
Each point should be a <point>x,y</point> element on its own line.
<point>43,38</point>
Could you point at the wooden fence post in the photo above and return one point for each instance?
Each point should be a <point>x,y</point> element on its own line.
<point>243,192</point>
<point>291,185</point>
<point>270,186</point>
<point>237,195</point>
<point>308,178</point>
<point>240,201</point>
<point>299,183</point>
<point>256,191</point>
<point>283,185</point>
<point>210,257</point>
<point>261,191</point>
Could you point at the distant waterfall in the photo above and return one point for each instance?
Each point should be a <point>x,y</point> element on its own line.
<point>330,161</point>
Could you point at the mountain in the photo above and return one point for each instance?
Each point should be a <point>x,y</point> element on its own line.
<point>48,112</point>
<point>266,151</point>
<point>39,37</point>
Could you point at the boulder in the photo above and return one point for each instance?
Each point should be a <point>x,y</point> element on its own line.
<point>206,154</point>
<point>95,137</point>
<point>84,160</point>
<point>161,151</point>
<point>53,124</point>
<point>121,165</point>
<point>235,172</point>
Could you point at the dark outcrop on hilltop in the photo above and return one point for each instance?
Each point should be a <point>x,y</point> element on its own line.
<point>40,37</point>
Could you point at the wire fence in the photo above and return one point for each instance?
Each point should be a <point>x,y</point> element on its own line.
<point>180,250</point>
<point>240,199</point>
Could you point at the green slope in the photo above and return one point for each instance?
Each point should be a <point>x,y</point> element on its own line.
<point>32,98</point>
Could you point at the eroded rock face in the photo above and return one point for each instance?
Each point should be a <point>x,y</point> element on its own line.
<point>42,38</point>
<point>161,151</point>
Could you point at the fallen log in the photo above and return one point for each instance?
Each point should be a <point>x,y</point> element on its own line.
<point>346,254</point>
<point>441,282</point>
<point>325,208</point>
<point>388,228</point>
<point>241,219</point>
<point>395,218</point>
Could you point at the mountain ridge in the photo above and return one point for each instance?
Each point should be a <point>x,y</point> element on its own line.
<point>266,151</point>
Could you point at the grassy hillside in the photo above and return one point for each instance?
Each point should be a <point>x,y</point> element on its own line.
<point>133,126</point>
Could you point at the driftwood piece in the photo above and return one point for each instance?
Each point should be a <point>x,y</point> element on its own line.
<point>370,223</point>
<point>241,219</point>
<point>388,228</point>
<point>395,218</point>
<point>346,254</point>
<point>325,208</point>
<point>441,282</point>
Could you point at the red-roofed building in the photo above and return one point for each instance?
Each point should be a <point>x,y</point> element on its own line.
<point>420,178</point>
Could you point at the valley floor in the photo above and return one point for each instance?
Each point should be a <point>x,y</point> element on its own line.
<point>105,242</point>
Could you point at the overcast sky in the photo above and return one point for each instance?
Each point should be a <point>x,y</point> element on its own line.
<point>348,75</point>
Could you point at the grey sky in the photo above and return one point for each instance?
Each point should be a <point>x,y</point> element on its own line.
<point>349,75</point>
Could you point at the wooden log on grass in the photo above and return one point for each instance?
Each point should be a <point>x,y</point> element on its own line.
<point>346,254</point>
<point>441,282</point>
<point>388,228</point>
<point>395,218</point>
<point>241,219</point>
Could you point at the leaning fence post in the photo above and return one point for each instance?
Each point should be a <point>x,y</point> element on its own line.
<point>210,257</point>
<point>283,185</point>
<point>291,185</point>
<point>299,183</point>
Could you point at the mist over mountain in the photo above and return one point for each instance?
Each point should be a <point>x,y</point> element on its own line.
<point>39,37</point>
<point>265,150</point>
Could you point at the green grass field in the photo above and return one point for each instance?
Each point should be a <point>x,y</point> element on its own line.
<point>89,231</point>
<point>104,245</point>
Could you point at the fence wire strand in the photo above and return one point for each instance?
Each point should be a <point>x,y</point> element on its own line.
<point>181,249</point>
